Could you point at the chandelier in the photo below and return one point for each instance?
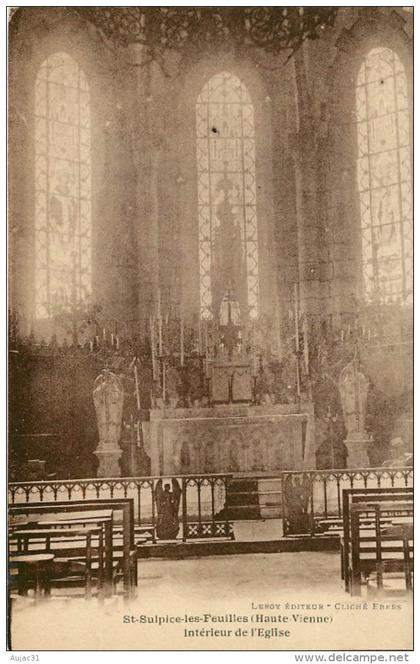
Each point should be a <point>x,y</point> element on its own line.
<point>185,29</point>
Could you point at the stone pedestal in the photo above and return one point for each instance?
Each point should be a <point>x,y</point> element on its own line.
<point>109,462</point>
<point>357,451</point>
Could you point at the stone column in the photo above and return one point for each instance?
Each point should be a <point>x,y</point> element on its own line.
<point>308,212</point>
<point>148,146</point>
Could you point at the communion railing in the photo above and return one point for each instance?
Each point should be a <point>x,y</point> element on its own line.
<point>209,503</point>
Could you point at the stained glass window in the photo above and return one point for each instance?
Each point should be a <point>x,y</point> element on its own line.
<point>228,243</point>
<point>62,186</point>
<point>384,177</point>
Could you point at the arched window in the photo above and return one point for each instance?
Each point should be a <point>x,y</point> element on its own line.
<point>228,243</point>
<point>62,186</point>
<point>384,177</point>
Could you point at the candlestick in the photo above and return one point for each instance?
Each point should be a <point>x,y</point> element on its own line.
<point>182,341</point>
<point>136,379</point>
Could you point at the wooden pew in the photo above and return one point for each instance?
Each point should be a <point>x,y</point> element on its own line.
<point>123,505</point>
<point>359,495</point>
<point>377,552</point>
<point>58,541</point>
<point>33,569</point>
<point>73,551</point>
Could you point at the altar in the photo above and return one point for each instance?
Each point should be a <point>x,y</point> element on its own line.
<point>231,438</point>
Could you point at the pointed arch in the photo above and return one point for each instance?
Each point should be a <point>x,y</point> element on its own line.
<point>62,185</point>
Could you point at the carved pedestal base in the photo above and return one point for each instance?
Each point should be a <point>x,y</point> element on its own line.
<point>357,452</point>
<point>108,462</point>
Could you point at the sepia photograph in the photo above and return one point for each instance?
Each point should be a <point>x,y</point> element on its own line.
<point>210,328</point>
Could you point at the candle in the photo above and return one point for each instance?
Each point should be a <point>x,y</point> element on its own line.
<point>342,335</point>
<point>118,343</point>
<point>97,340</point>
<point>296,318</point>
<point>152,346</point>
<point>206,344</point>
<point>278,339</point>
<point>136,378</point>
<point>164,383</point>
<point>305,344</point>
<point>200,341</point>
<point>112,339</point>
<point>91,346</point>
<point>138,433</point>
<point>182,342</point>
<point>104,333</point>
<point>160,335</point>
<point>159,313</point>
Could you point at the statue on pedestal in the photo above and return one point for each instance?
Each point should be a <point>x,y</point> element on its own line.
<point>167,503</point>
<point>353,386</point>
<point>108,397</point>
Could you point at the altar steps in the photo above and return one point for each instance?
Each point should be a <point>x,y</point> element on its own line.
<point>253,499</point>
<point>198,548</point>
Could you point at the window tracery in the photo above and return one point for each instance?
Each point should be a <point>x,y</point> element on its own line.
<point>62,186</point>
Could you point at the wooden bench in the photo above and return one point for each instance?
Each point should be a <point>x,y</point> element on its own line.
<point>394,496</point>
<point>125,554</point>
<point>377,552</point>
<point>63,543</point>
<point>34,570</point>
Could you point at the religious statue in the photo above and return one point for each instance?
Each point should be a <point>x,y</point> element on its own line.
<point>297,492</point>
<point>108,397</point>
<point>167,503</point>
<point>228,272</point>
<point>172,387</point>
<point>264,387</point>
<point>353,386</point>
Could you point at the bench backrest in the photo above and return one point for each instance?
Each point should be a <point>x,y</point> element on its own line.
<point>126,505</point>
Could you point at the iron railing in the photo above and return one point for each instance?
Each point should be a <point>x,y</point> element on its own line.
<point>301,498</point>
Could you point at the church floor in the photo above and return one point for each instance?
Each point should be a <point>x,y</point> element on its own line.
<point>205,603</point>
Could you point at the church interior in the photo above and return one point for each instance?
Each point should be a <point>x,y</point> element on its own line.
<point>210,282</point>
